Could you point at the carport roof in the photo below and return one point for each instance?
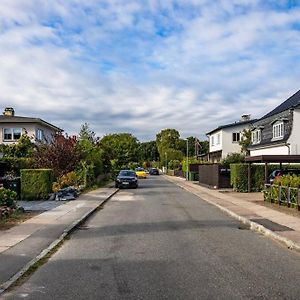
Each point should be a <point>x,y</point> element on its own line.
<point>273,159</point>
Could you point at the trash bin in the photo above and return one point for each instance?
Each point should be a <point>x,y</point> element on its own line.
<point>13,184</point>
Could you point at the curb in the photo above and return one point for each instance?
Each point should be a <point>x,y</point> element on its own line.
<point>54,244</point>
<point>253,225</point>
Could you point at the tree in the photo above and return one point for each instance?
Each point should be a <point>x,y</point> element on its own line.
<point>61,154</point>
<point>245,141</point>
<point>87,134</point>
<point>23,148</point>
<point>148,151</point>
<point>123,148</point>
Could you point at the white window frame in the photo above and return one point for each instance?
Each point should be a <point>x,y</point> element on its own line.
<point>237,137</point>
<point>40,134</point>
<point>13,132</point>
<point>256,136</point>
<point>278,130</point>
<point>218,139</point>
<point>212,140</point>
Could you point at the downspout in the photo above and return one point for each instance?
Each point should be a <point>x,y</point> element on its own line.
<point>289,149</point>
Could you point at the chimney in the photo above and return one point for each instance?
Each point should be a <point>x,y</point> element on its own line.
<point>9,111</point>
<point>245,118</point>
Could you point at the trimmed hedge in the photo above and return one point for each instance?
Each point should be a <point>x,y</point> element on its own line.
<point>239,177</point>
<point>36,184</point>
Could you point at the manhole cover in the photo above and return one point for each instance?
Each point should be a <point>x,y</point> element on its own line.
<point>271,225</point>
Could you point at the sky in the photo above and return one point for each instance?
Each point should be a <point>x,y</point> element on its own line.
<point>143,66</point>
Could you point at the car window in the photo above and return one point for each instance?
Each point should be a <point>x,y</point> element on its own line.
<point>127,173</point>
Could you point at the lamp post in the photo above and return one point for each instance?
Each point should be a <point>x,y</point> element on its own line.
<point>187,159</point>
<point>166,154</point>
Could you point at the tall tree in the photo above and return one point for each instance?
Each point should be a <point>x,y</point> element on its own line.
<point>148,151</point>
<point>123,148</point>
<point>245,141</point>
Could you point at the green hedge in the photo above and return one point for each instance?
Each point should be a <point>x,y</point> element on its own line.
<point>36,184</point>
<point>18,163</point>
<point>239,177</point>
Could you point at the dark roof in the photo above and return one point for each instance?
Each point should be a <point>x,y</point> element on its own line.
<point>273,159</point>
<point>232,125</point>
<point>17,119</point>
<point>291,102</point>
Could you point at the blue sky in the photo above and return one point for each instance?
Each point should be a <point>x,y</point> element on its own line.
<point>142,66</point>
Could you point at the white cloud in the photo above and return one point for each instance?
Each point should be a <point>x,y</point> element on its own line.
<point>142,67</point>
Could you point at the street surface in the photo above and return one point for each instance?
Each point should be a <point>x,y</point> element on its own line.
<point>161,242</point>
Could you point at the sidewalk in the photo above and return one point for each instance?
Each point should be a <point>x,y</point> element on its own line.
<point>244,207</point>
<point>23,245</point>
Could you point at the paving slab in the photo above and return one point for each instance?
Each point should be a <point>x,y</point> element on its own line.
<point>24,244</point>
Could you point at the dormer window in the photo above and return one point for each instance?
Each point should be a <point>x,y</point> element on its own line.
<point>278,130</point>
<point>256,136</point>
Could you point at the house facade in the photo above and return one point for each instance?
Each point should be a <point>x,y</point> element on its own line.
<point>13,127</point>
<point>278,132</point>
<point>225,139</point>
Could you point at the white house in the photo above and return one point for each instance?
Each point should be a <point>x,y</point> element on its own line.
<point>225,139</point>
<point>278,132</point>
<point>12,127</point>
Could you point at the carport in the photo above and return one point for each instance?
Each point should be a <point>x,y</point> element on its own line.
<point>267,159</point>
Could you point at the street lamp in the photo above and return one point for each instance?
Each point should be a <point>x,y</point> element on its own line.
<point>187,159</point>
<point>166,154</point>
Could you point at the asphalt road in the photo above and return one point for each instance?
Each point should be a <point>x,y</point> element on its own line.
<point>161,242</point>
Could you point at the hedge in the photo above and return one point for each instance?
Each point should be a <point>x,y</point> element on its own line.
<point>36,184</point>
<point>18,163</point>
<point>239,177</point>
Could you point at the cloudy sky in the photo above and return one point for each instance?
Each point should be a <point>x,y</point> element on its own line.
<point>142,66</point>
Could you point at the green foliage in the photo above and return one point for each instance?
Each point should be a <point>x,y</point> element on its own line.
<point>288,180</point>
<point>23,148</point>
<point>36,184</point>
<point>193,160</point>
<point>123,148</point>
<point>69,179</point>
<point>7,197</point>
<point>245,141</point>
<point>148,151</point>
<point>174,164</point>
<point>239,177</point>
<point>17,163</point>
<point>233,158</point>
<point>87,134</point>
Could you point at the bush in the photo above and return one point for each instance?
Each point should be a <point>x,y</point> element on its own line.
<point>16,164</point>
<point>239,177</point>
<point>7,197</point>
<point>69,179</point>
<point>36,184</point>
<point>233,158</point>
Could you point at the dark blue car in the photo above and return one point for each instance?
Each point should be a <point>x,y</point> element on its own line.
<point>126,179</point>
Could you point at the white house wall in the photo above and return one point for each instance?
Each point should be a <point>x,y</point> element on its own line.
<point>29,128</point>
<point>294,139</point>
<point>216,147</point>
<point>280,150</point>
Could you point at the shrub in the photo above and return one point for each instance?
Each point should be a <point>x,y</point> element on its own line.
<point>36,184</point>
<point>18,163</point>
<point>69,179</point>
<point>7,197</point>
<point>239,177</point>
<point>233,158</point>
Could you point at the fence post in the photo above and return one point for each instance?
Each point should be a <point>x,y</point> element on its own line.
<point>289,197</point>
<point>279,194</point>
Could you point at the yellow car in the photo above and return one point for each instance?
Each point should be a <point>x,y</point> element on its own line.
<point>140,173</point>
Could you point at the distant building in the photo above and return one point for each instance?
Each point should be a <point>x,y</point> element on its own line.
<point>278,132</point>
<point>225,139</point>
<point>13,127</point>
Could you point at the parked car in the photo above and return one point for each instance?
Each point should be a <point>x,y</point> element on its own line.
<point>154,171</point>
<point>278,173</point>
<point>126,179</point>
<point>141,173</point>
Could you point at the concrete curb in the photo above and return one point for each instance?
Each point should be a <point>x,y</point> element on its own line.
<point>54,244</point>
<point>253,225</point>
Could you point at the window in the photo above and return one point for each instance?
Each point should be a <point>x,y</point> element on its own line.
<point>256,136</point>
<point>39,134</point>
<point>12,134</point>
<point>212,140</point>
<point>278,130</point>
<point>236,136</point>
<point>218,139</point>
